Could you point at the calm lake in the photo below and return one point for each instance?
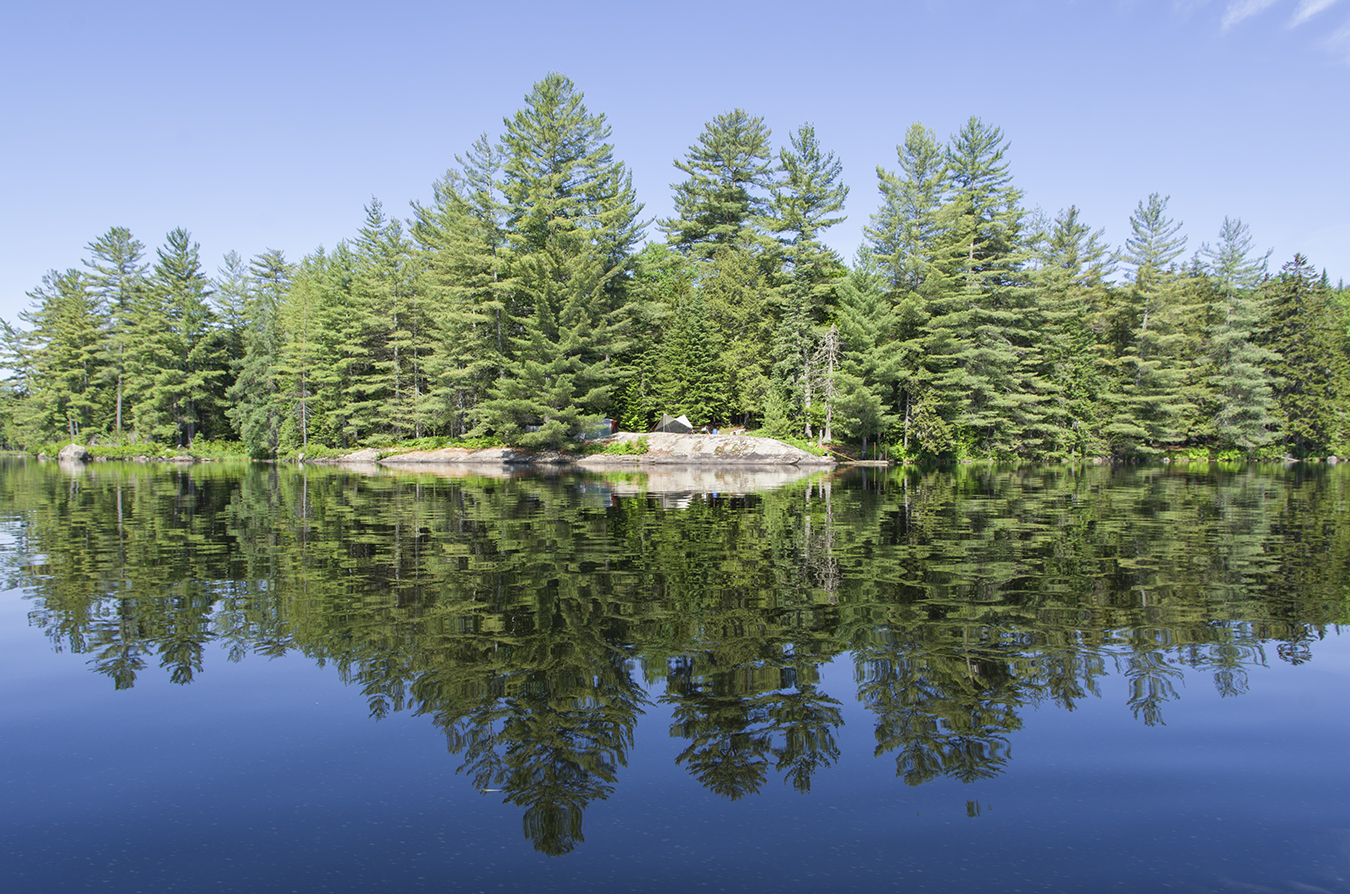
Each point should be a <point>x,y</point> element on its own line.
<point>1044,678</point>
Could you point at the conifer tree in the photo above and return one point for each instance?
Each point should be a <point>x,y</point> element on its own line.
<point>1243,408</point>
<point>981,318</point>
<point>1309,363</point>
<point>117,274</point>
<point>807,200</point>
<point>1150,403</point>
<point>726,196</point>
<point>60,360</point>
<point>464,241</point>
<point>1073,266</point>
<point>903,230</point>
<point>690,377</point>
<point>256,407</point>
<point>180,367</point>
<point>384,334</point>
<point>318,347</point>
<point>572,222</point>
<point>872,368</point>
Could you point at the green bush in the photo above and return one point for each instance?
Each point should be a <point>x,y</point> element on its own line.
<point>634,447</point>
<point>802,443</point>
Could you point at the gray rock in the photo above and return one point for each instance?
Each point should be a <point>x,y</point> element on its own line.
<point>74,453</point>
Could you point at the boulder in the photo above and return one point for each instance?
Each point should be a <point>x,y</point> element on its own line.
<point>74,453</point>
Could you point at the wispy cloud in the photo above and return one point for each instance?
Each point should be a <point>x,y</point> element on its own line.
<point>1339,42</point>
<point>1307,9</point>
<point>1244,9</point>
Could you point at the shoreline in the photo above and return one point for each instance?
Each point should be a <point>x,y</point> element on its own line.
<point>663,449</point>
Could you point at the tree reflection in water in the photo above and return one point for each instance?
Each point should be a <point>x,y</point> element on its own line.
<point>528,617</point>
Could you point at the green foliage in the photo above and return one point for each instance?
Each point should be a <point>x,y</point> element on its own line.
<point>630,447</point>
<point>726,196</point>
<point>513,306</point>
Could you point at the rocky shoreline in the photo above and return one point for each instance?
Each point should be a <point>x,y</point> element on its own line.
<point>662,449</point>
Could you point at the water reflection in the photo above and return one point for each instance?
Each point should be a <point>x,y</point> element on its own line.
<point>533,619</point>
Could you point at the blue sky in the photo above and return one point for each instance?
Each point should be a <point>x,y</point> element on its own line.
<point>260,125</point>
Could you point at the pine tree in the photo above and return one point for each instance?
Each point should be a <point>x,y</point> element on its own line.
<point>1307,337</point>
<point>178,378</point>
<point>464,241</point>
<point>60,360</point>
<point>1150,404</point>
<point>737,297</point>
<point>255,397</point>
<point>117,274</point>
<point>1074,265</point>
<point>385,335</point>
<point>872,371</point>
<point>806,201</point>
<point>311,374</point>
<point>981,318</point>
<point>1242,406</point>
<point>903,230</point>
<point>690,377</point>
<point>572,223</point>
<point>726,196</point>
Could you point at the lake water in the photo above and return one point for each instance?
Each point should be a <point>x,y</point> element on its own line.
<point>252,678</point>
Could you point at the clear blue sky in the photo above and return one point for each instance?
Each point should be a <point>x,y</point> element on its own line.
<point>270,125</point>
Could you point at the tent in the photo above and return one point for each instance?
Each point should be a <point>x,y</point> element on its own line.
<point>679,425</point>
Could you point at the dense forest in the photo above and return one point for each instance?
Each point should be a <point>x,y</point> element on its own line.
<point>529,296</point>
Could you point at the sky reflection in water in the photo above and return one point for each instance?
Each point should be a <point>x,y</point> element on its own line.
<point>649,685</point>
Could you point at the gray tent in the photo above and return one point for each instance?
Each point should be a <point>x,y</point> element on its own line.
<point>679,425</point>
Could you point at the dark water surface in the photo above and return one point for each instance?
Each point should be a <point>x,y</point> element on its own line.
<point>1039,679</point>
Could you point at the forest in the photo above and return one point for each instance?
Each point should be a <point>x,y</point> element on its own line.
<point>529,297</point>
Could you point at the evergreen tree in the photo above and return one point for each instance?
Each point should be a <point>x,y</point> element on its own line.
<point>690,378</point>
<point>117,274</point>
<point>315,367</point>
<point>255,397</point>
<point>1242,406</point>
<point>59,360</point>
<point>903,230</point>
<point>180,368</point>
<point>872,370</point>
<point>1150,404</point>
<point>1074,264</point>
<point>806,201</point>
<point>464,240</point>
<point>572,223</point>
<point>1309,362</point>
<point>726,196</point>
<point>385,335</point>
<point>981,319</point>
<point>737,297</point>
